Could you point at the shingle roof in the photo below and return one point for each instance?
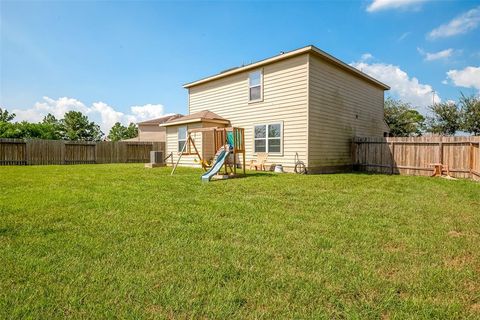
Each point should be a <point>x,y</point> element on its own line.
<point>285,55</point>
<point>204,115</point>
<point>160,120</point>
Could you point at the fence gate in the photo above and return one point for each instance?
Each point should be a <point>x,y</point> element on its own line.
<point>79,153</point>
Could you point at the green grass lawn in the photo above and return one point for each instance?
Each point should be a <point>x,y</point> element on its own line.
<point>105,241</point>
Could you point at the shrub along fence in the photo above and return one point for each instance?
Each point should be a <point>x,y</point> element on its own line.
<point>415,155</point>
<point>39,152</point>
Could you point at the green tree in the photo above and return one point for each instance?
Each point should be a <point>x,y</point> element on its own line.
<point>27,130</point>
<point>132,131</point>
<point>5,128</point>
<point>50,119</point>
<point>446,118</point>
<point>120,132</point>
<point>76,126</point>
<point>52,127</point>
<point>470,106</point>
<point>6,116</point>
<point>402,119</point>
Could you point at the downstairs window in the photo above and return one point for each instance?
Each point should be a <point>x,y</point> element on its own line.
<point>268,138</point>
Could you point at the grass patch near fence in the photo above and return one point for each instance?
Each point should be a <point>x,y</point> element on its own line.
<point>105,241</point>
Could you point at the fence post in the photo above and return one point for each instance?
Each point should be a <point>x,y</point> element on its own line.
<point>393,158</point>
<point>470,166</point>
<point>62,151</point>
<point>354,153</point>
<point>440,150</point>
<point>27,151</point>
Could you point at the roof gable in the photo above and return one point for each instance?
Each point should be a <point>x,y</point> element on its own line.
<point>308,49</point>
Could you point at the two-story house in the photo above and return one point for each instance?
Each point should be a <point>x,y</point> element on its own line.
<point>303,104</point>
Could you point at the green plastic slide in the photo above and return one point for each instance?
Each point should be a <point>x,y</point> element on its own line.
<point>221,157</point>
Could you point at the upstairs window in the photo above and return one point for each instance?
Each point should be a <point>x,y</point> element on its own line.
<point>268,138</point>
<point>255,83</point>
<point>182,138</point>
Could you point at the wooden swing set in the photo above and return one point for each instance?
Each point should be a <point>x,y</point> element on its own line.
<point>229,137</point>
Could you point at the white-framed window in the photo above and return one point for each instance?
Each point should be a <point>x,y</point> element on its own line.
<point>255,86</point>
<point>182,138</point>
<point>268,138</point>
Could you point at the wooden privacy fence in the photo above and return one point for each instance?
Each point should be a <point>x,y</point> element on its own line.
<point>38,152</point>
<point>414,155</point>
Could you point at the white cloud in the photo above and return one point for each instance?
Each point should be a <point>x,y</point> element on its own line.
<point>108,116</point>
<point>404,87</point>
<point>100,112</point>
<point>148,111</point>
<point>366,56</point>
<point>468,77</point>
<point>431,56</point>
<point>378,5</point>
<point>461,24</point>
<point>56,107</point>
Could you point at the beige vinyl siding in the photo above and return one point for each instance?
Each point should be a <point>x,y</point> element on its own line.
<point>172,144</point>
<point>336,97</point>
<point>285,89</point>
<point>151,132</point>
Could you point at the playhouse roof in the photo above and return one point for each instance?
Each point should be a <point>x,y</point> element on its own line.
<point>201,116</point>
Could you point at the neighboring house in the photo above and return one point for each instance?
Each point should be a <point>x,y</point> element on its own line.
<point>304,102</point>
<point>150,130</point>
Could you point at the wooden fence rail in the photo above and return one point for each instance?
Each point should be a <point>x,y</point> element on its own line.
<point>39,152</point>
<point>414,155</point>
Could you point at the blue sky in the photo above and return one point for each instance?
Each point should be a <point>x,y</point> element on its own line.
<point>127,61</point>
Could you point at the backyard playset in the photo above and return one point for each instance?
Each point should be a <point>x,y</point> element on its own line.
<point>229,144</point>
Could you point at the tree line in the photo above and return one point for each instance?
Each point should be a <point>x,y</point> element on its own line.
<point>445,118</point>
<point>73,126</point>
